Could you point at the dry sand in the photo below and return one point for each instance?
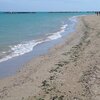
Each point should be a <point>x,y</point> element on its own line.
<point>70,71</point>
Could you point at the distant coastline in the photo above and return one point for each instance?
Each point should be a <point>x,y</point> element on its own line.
<point>13,12</point>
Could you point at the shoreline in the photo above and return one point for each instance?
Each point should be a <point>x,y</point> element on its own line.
<point>68,71</point>
<point>26,46</point>
<point>55,38</point>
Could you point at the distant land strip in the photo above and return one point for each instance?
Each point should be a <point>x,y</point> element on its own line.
<point>9,12</point>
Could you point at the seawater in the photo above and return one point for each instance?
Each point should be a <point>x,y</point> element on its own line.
<point>20,33</point>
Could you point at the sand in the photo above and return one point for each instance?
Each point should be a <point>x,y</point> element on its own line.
<point>70,71</point>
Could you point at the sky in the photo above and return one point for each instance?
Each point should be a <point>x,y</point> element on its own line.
<point>49,5</point>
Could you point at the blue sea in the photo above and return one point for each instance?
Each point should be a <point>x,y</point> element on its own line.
<point>20,33</point>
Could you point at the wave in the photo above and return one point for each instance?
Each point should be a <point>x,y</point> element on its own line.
<point>73,19</point>
<point>58,34</point>
<point>26,47</point>
<point>20,49</point>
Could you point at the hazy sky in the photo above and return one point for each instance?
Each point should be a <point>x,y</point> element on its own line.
<point>49,5</point>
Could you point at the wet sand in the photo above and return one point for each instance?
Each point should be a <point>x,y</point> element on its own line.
<point>70,71</point>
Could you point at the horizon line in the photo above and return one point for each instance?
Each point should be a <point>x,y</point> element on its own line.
<point>46,11</point>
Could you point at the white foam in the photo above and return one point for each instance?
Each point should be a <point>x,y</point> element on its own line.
<point>54,36</point>
<point>21,49</point>
<point>28,46</point>
<point>73,19</point>
<point>3,52</point>
<point>58,34</point>
<point>64,27</point>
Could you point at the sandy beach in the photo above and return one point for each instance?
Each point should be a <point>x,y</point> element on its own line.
<point>70,70</point>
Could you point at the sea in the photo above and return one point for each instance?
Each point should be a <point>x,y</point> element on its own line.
<point>25,34</point>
